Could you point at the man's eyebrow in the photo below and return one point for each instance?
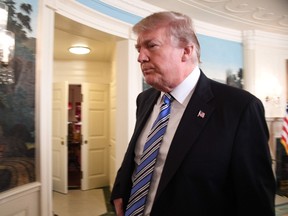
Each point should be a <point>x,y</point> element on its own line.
<point>138,45</point>
<point>145,42</point>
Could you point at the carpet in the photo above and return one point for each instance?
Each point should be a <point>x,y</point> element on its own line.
<point>281,209</point>
<point>110,208</point>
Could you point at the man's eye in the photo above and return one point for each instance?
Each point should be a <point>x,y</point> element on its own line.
<point>150,46</point>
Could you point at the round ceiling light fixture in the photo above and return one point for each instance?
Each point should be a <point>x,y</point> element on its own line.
<point>79,50</point>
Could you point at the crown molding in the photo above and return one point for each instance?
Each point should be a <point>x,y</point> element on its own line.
<point>90,17</point>
<point>139,7</point>
<point>144,9</point>
<point>217,31</point>
<point>257,37</point>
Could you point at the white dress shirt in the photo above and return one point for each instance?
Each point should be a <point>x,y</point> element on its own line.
<point>182,94</point>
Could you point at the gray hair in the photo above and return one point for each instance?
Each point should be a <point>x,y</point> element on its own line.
<point>178,25</point>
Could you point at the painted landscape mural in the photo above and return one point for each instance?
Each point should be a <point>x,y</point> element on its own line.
<point>17,93</point>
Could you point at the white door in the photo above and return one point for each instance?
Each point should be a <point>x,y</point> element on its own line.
<point>59,137</point>
<point>94,151</point>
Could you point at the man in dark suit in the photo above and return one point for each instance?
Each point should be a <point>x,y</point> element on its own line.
<point>214,158</point>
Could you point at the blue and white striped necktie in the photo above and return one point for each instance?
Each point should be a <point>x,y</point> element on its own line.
<point>144,171</point>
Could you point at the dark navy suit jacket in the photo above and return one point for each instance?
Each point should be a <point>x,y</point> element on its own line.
<point>219,162</point>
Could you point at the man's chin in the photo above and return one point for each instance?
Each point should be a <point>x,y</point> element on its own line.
<point>150,82</point>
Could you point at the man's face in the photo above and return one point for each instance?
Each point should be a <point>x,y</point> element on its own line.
<point>160,59</point>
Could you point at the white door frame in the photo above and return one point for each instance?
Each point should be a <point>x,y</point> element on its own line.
<point>44,68</point>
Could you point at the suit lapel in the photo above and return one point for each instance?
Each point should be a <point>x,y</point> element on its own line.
<point>194,119</point>
<point>146,107</point>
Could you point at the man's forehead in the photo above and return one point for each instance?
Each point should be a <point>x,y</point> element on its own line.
<point>148,36</point>
<point>143,40</point>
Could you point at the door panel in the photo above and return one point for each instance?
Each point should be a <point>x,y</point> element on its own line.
<point>59,137</point>
<point>95,136</point>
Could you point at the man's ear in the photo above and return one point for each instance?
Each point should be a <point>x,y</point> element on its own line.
<point>188,52</point>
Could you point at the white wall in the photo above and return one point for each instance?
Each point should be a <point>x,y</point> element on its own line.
<point>265,72</point>
<point>21,201</point>
<point>129,85</point>
<point>76,72</point>
<point>112,122</point>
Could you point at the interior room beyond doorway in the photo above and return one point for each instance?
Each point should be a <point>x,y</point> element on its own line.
<point>74,137</point>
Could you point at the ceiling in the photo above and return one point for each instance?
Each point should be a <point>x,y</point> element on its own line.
<point>266,15</point>
<point>68,32</point>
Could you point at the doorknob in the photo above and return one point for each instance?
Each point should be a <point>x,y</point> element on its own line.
<point>62,142</point>
<point>85,141</point>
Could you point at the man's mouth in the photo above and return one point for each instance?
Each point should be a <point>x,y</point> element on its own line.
<point>146,69</point>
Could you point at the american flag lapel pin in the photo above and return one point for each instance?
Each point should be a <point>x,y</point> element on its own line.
<point>201,114</point>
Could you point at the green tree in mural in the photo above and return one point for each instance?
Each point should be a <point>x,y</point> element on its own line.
<point>17,100</point>
<point>19,21</point>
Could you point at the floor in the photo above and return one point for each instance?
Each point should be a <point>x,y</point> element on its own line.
<point>83,203</point>
<point>96,203</point>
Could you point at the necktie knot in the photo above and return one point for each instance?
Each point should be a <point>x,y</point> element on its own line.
<point>167,98</point>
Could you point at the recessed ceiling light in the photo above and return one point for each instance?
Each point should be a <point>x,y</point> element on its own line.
<point>79,50</point>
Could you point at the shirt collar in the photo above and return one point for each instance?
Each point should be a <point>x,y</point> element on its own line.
<point>187,86</point>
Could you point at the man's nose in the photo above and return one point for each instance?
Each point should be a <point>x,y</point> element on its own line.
<point>142,57</point>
